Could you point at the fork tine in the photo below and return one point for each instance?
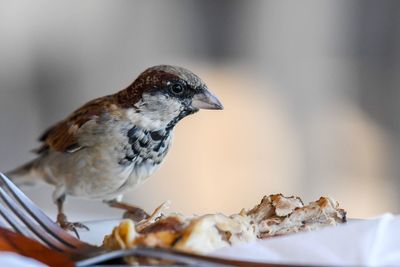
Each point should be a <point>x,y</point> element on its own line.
<point>6,214</point>
<point>2,225</point>
<point>52,228</point>
<point>36,229</point>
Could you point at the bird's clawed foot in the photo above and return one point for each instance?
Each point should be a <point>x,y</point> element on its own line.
<point>136,215</point>
<point>70,226</point>
<point>132,212</point>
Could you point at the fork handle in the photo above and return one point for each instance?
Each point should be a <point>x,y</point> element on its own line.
<point>175,256</point>
<point>203,260</point>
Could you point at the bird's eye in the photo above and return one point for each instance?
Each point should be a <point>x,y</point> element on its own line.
<point>177,89</point>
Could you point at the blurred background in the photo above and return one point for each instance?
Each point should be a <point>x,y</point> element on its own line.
<point>310,89</point>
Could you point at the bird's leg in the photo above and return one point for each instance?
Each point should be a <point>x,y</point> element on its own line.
<point>131,212</point>
<point>62,218</point>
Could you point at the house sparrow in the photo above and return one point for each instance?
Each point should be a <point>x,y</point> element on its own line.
<point>115,142</point>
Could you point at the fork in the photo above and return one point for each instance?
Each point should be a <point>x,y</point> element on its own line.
<point>27,219</point>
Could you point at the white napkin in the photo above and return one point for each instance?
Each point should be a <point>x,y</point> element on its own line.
<point>14,260</point>
<point>373,242</point>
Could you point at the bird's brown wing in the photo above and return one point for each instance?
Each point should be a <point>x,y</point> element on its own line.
<point>63,136</point>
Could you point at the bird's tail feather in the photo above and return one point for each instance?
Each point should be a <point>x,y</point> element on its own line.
<point>25,174</point>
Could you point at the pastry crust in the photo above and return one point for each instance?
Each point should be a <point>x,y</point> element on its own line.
<point>276,215</point>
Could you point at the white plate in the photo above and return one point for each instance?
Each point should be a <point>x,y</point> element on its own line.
<point>98,229</point>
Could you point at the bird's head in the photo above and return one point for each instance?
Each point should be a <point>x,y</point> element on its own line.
<point>162,95</point>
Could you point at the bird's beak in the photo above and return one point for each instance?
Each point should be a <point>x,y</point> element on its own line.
<point>206,100</point>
